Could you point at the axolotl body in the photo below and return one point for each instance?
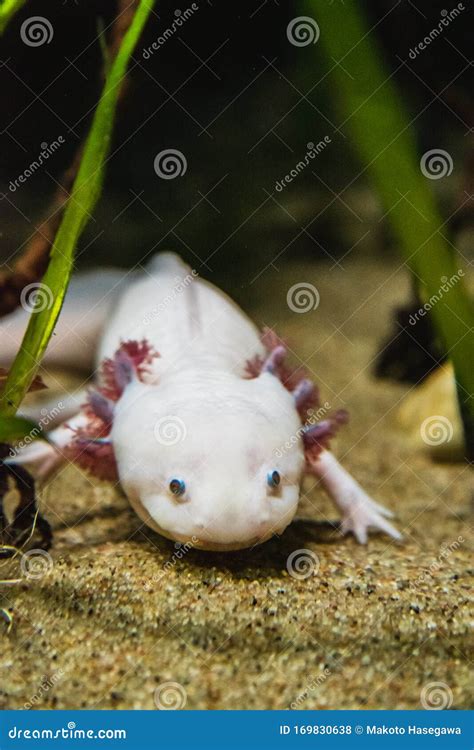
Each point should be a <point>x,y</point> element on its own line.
<point>198,416</point>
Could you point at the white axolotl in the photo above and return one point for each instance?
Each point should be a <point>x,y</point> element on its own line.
<point>197,415</point>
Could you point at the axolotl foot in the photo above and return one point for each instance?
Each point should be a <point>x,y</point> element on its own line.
<point>359,512</point>
<point>364,514</point>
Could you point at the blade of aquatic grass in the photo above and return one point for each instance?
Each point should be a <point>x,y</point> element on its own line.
<point>8,8</point>
<point>84,195</point>
<point>17,428</point>
<point>383,136</point>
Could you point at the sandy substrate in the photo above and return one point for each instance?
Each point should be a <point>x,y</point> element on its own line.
<point>373,627</point>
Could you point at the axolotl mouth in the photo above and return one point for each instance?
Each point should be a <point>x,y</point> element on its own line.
<point>194,541</point>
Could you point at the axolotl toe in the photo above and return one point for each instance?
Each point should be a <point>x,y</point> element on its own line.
<point>198,416</point>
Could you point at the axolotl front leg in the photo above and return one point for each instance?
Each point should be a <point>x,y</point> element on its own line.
<point>359,512</point>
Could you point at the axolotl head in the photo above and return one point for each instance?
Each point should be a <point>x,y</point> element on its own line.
<point>214,461</point>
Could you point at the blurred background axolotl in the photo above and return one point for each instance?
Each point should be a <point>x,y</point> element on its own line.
<point>195,413</point>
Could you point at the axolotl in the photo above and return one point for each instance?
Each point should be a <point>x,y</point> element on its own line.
<point>194,412</point>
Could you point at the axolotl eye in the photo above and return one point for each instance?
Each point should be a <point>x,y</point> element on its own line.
<point>273,479</point>
<point>177,487</point>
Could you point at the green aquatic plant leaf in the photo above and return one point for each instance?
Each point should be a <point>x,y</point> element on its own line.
<point>84,196</point>
<point>382,133</point>
<point>8,8</point>
<point>17,428</point>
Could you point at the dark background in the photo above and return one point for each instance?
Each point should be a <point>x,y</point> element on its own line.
<point>229,91</point>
